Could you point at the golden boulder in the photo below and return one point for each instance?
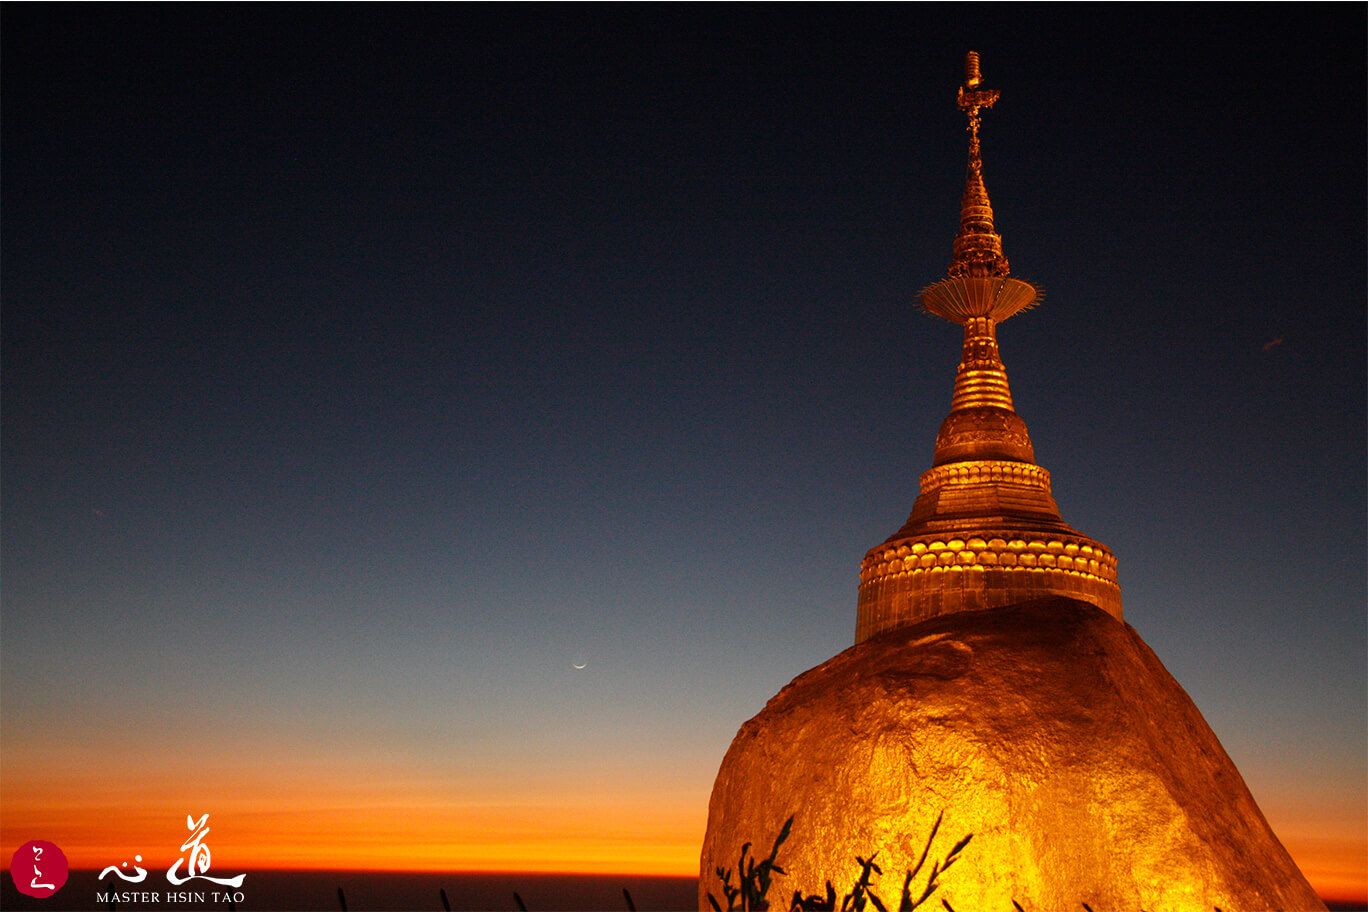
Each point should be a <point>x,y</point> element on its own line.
<point>1047,730</point>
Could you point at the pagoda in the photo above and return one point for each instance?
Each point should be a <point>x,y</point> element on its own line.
<point>994,693</point>
<point>985,530</point>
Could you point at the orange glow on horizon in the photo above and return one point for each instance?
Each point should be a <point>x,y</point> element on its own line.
<point>397,838</point>
<point>385,839</point>
<point>368,819</point>
<point>1336,866</point>
<point>329,824</point>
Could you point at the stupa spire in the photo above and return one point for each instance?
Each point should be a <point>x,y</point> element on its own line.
<point>978,248</point>
<point>979,294</point>
<point>985,531</point>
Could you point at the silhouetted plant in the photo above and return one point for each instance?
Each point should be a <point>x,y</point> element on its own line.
<point>856,898</point>
<point>815,903</point>
<point>729,892</point>
<point>750,893</point>
<point>907,903</point>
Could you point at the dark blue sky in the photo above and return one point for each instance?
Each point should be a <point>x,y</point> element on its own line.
<point>389,360</point>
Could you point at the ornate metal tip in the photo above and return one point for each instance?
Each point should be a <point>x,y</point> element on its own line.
<point>978,248</point>
<point>971,70</point>
<point>972,95</point>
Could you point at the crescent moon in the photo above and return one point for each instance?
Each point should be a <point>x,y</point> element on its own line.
<point>579,666</point>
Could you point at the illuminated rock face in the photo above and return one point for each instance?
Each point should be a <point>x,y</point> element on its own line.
<point>993,678</point>
<point>1048,730</point>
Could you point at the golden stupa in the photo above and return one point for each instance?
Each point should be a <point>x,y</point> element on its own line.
<point>993,687</point>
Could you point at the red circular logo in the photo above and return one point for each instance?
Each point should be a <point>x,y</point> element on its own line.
<point>39,868</point>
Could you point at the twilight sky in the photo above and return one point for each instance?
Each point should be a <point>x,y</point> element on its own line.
<point>367,369</point>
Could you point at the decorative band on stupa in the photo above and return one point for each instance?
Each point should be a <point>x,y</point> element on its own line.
<point>985,531</point>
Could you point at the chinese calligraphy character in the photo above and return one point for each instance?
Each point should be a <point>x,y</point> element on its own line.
<point>199,857</point>
<point>37,854</point>
<point>142,872</point>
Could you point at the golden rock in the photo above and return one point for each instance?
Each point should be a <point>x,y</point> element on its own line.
<point>994,681</point>
<point>1047,730</point>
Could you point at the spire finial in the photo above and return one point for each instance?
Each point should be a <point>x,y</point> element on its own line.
<point>978,248</point>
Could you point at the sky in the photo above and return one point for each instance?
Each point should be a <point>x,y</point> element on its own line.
<point>366,370</point>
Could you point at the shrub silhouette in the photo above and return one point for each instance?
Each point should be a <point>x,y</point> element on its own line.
<point>750,893</point>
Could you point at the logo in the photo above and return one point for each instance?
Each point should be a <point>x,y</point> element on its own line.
<point>195,859</point>
<point>39,868</point>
